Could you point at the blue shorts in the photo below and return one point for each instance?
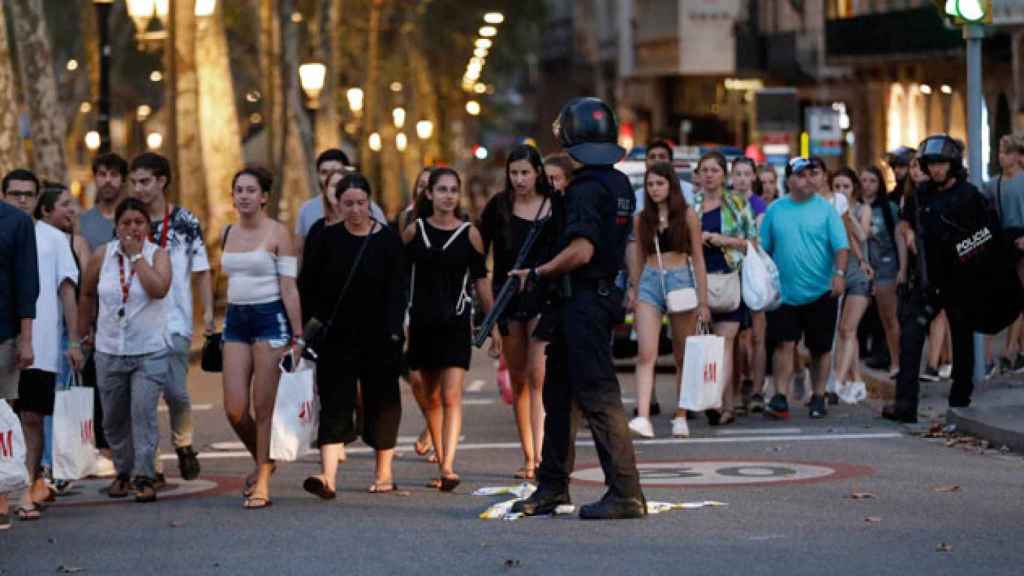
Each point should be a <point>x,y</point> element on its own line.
<point>650,290</point>
<point>251,323</point>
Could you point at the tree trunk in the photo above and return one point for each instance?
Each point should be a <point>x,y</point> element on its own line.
<point>298,174</point>
<point>218,118</point>
<point>12,155</point>
<point>273,111</point>
<point>371,105</point>
<point>40,85</point>
<point>328,118</point>
<point>189,153</point>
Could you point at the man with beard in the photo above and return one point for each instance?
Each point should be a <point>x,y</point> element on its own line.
<point>97,224</point>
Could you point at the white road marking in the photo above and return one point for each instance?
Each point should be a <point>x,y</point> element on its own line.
<point>654,442</point>
<point>476,385</point>
<point>741,431</point>
<point>195,407</point>
<point>222,446</point>
<point>477,401</point>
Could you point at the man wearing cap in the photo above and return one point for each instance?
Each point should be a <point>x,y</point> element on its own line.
<point>806,238</point>
<point>599,209</point>
<point>958,242</point>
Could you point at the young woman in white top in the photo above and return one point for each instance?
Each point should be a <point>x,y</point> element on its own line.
<point>129,278</point>
<point>262,322</point>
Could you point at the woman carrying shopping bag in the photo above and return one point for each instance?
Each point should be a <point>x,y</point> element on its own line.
<point>129,278</point>
<point>351,283</point>
<point>666,276</point>
<point>727,224</point>
<point>262,322</point>
<point>446,254</point>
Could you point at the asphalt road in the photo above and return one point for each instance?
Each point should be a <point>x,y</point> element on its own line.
<point>787,487</point>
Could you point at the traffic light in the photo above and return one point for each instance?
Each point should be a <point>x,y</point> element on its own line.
<point>962,12</point>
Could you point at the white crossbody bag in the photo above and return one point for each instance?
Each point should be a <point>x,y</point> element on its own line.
<point>680,299</point>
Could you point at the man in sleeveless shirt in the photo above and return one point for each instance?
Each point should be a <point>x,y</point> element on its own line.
<point>599,208</point>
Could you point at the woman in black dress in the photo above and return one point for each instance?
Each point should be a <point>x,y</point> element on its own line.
<point>363,344</point>
<point>446,254</point>
<point>504,225</point>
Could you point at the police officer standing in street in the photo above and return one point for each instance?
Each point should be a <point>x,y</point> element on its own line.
<point>957,241</point>
<point>599,209</point>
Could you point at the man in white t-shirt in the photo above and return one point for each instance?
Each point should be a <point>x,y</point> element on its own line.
<point>55,306</point>
<point>178,231</point>
<point>328,162</point>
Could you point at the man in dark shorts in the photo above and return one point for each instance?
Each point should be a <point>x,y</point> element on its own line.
<point>812,263</point>
<point>599,209</point>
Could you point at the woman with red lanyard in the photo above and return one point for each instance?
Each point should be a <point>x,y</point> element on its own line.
<point>129,278</point>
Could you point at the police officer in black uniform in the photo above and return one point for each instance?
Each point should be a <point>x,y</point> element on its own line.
<point>599,208</point>
<point>958,243</point>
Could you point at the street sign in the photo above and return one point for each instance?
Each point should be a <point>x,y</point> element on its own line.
<point>823,129</point>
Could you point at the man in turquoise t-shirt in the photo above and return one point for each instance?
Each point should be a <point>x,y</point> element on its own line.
<point>806,238</point>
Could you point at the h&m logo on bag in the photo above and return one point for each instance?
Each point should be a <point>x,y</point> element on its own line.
<point>711,372</point>
<point>306,412</point>
<point>6,445</point>
<point>968,247</point>
<point>88,436</point>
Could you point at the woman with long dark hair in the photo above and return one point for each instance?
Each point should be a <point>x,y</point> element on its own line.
<point>505,223</point>
<point>446,254</point>
<point>667,256</point>
<point>887,256</point>
<point>363,258</point>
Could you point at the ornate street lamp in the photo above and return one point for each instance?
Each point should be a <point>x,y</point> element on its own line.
<point>312,76</point>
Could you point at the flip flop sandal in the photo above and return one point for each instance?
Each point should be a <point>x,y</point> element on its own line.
<point>424,448</point>
<point>434,483</point>
<point>247,489</point>
<point>376,488</point>
<point>28,514</point>
<point>449,483</point>
<point>318,487</point>
<point>256,502</point>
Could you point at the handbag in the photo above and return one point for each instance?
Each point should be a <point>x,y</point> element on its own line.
<point>212,359</point>
<point>680,299</point>
<point>74,440</point>
<point>296,415</point>
<point>724,292</point>
<point>703,371</point>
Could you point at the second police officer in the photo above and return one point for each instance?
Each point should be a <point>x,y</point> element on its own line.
<point>599,207</point>
<point>957,242</point>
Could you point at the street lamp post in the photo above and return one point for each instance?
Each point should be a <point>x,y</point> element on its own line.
<point>103,121</point>
<point>973,34</point>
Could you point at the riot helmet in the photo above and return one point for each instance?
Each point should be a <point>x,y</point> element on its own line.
<point>942,148</point>
<point>587,129</point>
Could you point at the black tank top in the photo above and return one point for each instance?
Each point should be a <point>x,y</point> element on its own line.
<point>442,274</point>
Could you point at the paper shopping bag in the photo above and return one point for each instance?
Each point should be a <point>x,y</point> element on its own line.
<point>13,474</point>
<point>703,373</point>
<point>296,416</point>
<point>74,441</point>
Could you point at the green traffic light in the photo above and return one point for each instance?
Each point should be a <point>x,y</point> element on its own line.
<point>969,10</point>
<point>951,8</point>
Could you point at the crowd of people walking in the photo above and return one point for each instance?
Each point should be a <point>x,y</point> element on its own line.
<point>109,294</point>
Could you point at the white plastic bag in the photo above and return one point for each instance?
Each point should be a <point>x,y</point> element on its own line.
<point>760,277</point>
<point>703,373</point>
<point>13,474</point>
<point>74,440</point>
<point>296,416</point>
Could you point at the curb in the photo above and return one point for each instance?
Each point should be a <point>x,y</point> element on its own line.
<point>982,422</point>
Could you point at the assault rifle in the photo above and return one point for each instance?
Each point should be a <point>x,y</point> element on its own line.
<point>511,285</point>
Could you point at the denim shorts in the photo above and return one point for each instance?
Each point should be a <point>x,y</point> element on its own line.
<point>650,290</point>
<point>250,323</point>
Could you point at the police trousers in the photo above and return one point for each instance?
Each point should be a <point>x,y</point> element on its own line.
<point>580,370</point>
<point>916,314</point>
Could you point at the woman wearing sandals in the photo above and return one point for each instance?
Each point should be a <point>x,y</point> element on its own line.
<point>446,254</point>
<point>727,225</point>
<point>506,222</point>
<point>261,319</point>
<point>666,258</point>
<point>352,283</point>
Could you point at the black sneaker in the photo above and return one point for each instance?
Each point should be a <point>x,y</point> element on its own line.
<point>145,491</point>
<point>778,408</point>
<point>614,508</point>
<point>542,502</point>
<point>756,404</point>
<point>930,374</point>
<point>188,463</point>
<point>818,409</point>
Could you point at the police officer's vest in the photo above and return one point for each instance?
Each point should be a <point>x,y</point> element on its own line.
<point>609,256</point>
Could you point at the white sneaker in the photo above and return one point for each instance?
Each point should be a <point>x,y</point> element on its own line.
<point>104,467</point>
<point>642,427</point>
<point>680,429</point>
<point>945,371</point>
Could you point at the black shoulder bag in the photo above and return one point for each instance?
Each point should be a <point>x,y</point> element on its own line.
<point>315,330</point>
<point>212,358</point>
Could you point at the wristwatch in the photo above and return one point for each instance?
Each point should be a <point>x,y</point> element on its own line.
<point>134,259</point>
<point>841,273</point>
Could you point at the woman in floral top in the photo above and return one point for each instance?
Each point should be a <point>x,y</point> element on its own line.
<point>728,224</point>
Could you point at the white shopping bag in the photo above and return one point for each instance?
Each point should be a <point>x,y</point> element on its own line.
<point>74,440</point>
<point>296,416</point>
<point>760,280</point>
<point>13,474</point>
<point>703,373</point>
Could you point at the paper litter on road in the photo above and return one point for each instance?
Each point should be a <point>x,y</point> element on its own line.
<point>523,490</point>
<point>659,507</point>
<point>503,510</point>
